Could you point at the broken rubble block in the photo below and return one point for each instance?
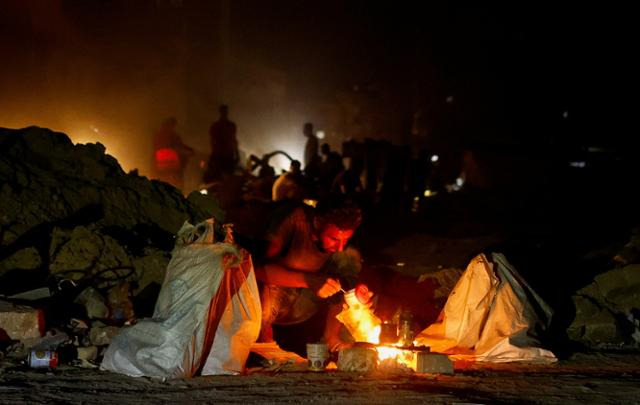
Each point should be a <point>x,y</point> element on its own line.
<point>93,301</point>
<point>101,336</point>
<point>433,363</point>
<point>21,322</point>
<point>87,353</point>
<point>359,359</point>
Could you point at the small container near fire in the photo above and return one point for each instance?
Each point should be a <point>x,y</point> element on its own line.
<point>405,328</point>
<point>318,355</point>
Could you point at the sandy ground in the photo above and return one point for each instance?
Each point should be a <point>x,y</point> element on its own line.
<point>585,378</point>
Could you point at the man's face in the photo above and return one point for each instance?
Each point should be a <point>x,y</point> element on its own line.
<point>333,239</point>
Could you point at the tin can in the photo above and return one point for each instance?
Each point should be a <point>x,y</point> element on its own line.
<point>43,359</point>
<point>318,355</point>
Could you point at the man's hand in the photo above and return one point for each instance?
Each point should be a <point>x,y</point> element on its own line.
<point>323,287</point>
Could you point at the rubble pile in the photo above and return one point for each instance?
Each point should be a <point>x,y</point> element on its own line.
<point>72,207</point>
<point>71,217</point>
<point>608,309</point>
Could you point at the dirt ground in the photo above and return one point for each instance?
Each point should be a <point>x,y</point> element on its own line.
<point>597,378</point>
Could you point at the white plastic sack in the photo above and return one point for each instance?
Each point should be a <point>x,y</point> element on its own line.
<point>206,318</point>
<point>492,315</point>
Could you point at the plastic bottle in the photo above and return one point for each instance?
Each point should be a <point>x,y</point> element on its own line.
<point>405,328</point>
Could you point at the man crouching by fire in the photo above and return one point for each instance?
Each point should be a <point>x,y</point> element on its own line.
<point>306,265</point>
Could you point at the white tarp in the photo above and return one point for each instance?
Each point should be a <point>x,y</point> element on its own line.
<point>206,318</point>
<point>492,315</point>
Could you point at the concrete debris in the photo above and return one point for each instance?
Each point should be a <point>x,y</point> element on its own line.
<point>603,308</point>
<point>94,303</point>
<point>86,251</point>
<point>433,363</point>
<point>21,322</point>
<point>23,259</point>
<point>101,336</point>
<point>32,295</point>
<point>87,353</point>
<point>70,210</point>
<point>358,359</point>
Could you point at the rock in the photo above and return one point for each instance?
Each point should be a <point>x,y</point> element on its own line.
<point>87,353</point>
<point>101,336</point>
<point>150,268</point>
<point>76,202</point>
<point>621,287</point>
<point>21,322</point>
<point>358,359</point>
<point>94,303</point>
<point>84,252</point>
<point>24,259</point>
<point>603,306</point>
<point>433,363</point>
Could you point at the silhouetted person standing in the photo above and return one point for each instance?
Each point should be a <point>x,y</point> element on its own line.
<point>224,147</point>
<point>312,160</point>
<point>170,154</point>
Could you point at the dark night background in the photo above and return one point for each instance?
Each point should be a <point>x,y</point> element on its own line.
<point>530,100</point>
<point>526,88</point>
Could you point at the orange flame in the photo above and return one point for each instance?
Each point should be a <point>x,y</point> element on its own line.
<point>397,356</point>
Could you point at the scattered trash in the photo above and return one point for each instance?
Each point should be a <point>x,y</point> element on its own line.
<point>51,341</point>
<point>43,359</point>
<point>119,300</point>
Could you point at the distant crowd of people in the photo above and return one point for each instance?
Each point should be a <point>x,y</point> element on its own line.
<point>323,172</point>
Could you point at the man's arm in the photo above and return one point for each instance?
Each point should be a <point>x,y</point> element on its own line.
<point>276,274</point>
<point>332,330</point>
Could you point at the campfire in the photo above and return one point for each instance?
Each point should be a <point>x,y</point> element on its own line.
<point>392,341</point>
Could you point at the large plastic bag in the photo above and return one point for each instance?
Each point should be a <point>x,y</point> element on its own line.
<point>206,318</point>
<point>491,315</point>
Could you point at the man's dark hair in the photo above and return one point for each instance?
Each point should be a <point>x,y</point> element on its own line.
<point>342,213</point>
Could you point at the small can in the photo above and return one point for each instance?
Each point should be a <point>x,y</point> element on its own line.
<point>43,359</point>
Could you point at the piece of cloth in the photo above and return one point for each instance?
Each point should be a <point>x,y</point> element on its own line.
<point>492,315</point>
